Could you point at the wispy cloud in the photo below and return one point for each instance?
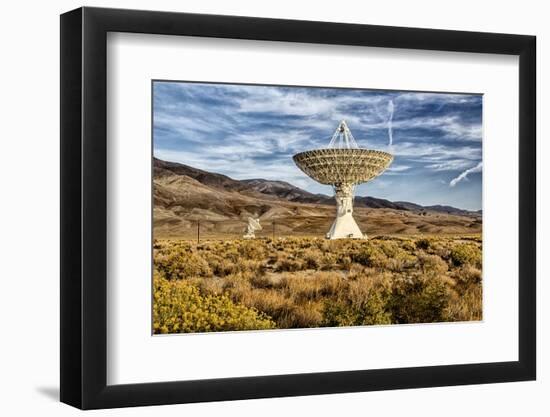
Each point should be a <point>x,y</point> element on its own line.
<point>390,120</point>
<point>395,169</point>
<point>464,175</point>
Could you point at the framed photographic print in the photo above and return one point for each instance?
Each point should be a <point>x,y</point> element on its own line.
<point>257,208</point>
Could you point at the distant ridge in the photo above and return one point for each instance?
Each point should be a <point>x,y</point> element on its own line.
<point>289,192</point>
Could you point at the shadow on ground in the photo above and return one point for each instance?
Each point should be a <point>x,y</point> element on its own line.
<point>50,392</point>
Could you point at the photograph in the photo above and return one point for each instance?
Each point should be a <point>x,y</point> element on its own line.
<point>288,207</point>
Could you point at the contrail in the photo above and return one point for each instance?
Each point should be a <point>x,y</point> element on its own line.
<point>390,129</point>
<point>465,174</point>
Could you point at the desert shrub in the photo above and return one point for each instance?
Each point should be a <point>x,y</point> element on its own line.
<point>389,247</point>
<point>237,283</point>
<point>312,259</point>
<point>369,256</point>
<point>467,276</point>
<point>409,246</point>
<point>423,244</point>
<point>222,266</point>
<point>355,270</point>
<point>261,281</point>
<point>248,265</point>
<point>323,245</point>
<point>328,261</point>
<point>339,313</point>
<point>307,288</point>
<point>345,262</point>
<point>178,307</point>
<point>473,305</point>
<point>345,313</point>
<point>432,263</point>
<point>363,301</point>
<point>471,238</point>
<point>208,286</point>
<point>232,254</point>
<point>252,250</point>
<point>177,265</point>
<point>360,289</point>
<point>419,299</point>
<point>301,316</point>
<point>466,303</point>
<point>441,250</point>
<point>287,263</point>
<point>275,304</point>
<point>466,253</point>
<point>467,306</point>
<point>382,253</point>
<point>400,260</point>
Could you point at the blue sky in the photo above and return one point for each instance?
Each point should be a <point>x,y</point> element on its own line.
<point>252,131</point>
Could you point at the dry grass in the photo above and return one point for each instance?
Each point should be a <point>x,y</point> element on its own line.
<point>311,282</point>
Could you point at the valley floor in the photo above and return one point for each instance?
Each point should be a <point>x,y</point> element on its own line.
<point>315,223</point>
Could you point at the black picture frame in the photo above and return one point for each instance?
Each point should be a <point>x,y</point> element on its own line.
<point>84,207</point>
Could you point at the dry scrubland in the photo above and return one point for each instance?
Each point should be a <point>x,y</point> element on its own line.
<point>312,282</point>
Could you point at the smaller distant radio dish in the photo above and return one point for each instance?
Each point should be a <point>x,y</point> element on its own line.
<point>252,226</point>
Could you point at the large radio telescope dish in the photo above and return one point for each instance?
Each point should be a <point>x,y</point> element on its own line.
<point>343,165</point>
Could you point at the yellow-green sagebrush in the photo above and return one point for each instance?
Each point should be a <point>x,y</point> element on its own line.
<point>310,282</point>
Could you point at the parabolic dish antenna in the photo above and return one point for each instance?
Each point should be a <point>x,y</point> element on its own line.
<point>343,165</point>
<point>251,227</point>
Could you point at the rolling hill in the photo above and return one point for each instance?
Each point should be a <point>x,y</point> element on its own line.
<point>184,195</point>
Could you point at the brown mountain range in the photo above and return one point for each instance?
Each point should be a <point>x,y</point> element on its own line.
<point>185,196</point>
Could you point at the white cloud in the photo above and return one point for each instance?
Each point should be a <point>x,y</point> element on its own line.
<point>464,174</point>
<point>441,98</point>
<point>434,152</point>
<point>450,165</point>
<point>398,168</point>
